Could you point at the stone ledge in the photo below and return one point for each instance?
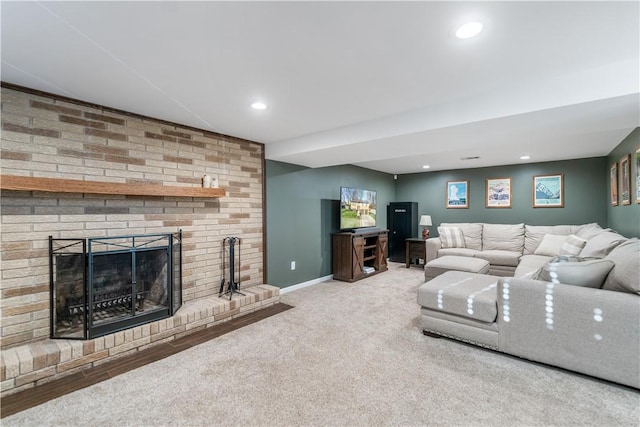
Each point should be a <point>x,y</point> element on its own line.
<point>36,363</point>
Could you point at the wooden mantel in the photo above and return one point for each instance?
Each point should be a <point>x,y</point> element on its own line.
<point>58,185</point>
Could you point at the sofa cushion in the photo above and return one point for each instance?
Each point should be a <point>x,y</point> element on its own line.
<point>550,245</point>
<point>625,275</point>
<point>441,265</point>
<point>587,272</point>
<point>503,237</point>
<point>530,265</point>
<point>572,246</point>
<point>497,257</point>
<point>588,231</point>
<point>472,232</point>
<point>601,244</point>
<point>458,252</point>
<point>464,294</point>
<point>533,234</point>
<point>451,237</point>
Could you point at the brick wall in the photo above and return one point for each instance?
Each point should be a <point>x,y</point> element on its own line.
<point>45,136</point>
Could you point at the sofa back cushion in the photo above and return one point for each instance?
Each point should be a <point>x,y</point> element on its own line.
<point>533,234</point>
<point>472,232</point>
<point>625,275</point>
<point>601,244</point>
<point>503,237</point>
<point>588,231</point>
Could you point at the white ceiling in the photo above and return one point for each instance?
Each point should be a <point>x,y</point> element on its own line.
<point>383,85</point>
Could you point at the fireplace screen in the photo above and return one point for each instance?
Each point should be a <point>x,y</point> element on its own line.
<point>104,285</point>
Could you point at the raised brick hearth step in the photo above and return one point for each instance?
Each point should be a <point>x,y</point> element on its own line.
<point>32,364</point>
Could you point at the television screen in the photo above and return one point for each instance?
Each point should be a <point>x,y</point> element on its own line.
<point>357,208</point>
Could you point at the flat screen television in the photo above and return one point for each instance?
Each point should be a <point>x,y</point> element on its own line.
<point>357,208</point>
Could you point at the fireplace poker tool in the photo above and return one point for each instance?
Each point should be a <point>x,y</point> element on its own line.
<point>233,286</point>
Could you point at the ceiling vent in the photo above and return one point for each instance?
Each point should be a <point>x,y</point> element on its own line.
<point>470,158</point>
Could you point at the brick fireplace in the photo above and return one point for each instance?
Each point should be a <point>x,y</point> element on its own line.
<point>107,284</point>
<point>50,137</point>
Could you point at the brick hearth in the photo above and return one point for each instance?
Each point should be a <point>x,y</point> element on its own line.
<point>39,362</point>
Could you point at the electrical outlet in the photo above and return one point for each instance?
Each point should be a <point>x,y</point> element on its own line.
<point>293,265</point>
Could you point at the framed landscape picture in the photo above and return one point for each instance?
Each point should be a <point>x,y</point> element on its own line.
<point>498,193</point>
<point>457,194</point>
<point>625,180</point>
<point>637,175</point>
<point>613,184</point>
<point>548,191</point>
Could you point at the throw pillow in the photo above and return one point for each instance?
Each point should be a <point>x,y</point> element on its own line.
<point>472,232</point>
<point>533,234</point>
<point>572,246</point>
<point>451,237</point>
<point>588,272</point>
<point>551,245</point>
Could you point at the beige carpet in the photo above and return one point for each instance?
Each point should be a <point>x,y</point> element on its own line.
<point>346,355</point>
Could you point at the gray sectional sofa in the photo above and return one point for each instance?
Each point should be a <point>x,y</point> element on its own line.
<point>578,312</point>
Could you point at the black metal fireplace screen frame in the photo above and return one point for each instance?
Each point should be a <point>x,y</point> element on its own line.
<point>72,316</point>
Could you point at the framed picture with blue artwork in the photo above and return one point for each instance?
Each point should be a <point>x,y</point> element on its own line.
<point>457,194</point>
<point>548,191</point>
<point>625,180</point>
<point>613,184</point>
<point>637,174</point>
<point>498,193</point>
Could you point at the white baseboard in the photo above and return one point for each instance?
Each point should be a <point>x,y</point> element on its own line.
<point>306,284</point>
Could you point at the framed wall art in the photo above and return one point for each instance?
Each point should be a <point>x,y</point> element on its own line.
<point>613,184</point>
<point>625,180</point>
<point>637,174</point>
<point>548,191</point>
<point>498,193</point>
<point>457,194</point>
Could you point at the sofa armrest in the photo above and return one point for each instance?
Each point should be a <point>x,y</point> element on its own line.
<point>593,331</point>
<point>433,246</point>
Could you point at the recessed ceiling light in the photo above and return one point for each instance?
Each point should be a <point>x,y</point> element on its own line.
<point>525,157</point>
<point>426,167</point>
<point>259,106</point>
<point>468,30</point>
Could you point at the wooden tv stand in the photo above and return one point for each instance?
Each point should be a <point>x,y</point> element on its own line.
<point>353,252</point>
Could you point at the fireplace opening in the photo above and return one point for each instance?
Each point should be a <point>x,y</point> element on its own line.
<point>104,285</point>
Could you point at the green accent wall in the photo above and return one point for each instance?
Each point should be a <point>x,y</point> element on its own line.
<point>625,219</point>
<point>303,204</point>
<point>302,212</point>
<point>583,201</point>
